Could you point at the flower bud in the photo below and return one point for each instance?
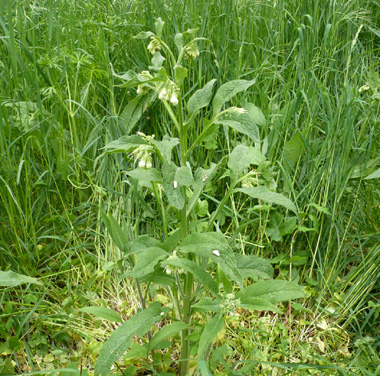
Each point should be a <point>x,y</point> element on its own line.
<point>142,163</point>
<point>174,100</point>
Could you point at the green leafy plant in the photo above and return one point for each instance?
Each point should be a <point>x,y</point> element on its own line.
<point>196,265</point>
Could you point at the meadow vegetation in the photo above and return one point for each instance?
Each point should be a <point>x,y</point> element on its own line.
<point>76,206</point>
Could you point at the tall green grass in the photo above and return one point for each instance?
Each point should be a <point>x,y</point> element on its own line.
<point>60,104</point>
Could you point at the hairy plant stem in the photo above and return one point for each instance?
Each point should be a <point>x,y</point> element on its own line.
<point>188,287</point>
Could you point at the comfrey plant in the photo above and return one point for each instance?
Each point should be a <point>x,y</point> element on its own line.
<point>203,276</point>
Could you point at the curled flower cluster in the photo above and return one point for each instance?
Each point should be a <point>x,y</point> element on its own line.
<point>192,51</point>
<point>144,88</point>
<point>154,45</point>
<point>143,154</point>
<point>170,269</point>
<point>169,93</point>
<point>230,303</point>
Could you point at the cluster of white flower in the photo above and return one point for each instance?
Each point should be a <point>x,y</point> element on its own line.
<point>192,51</point>
<point>154,45</point>
<point>169,93</point>
<point>230,303</point>
<point>144,88</point>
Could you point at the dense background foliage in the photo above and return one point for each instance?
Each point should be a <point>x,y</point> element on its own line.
<point>317,69</point>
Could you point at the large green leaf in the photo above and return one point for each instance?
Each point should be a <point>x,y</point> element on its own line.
<point>293,149</point>
<point>120,340</point>
<point>375,175</point>
<point>118,235</point>
<point>264,194</point>
<point>201,98</point>
<point>165,146</point>
<point>134,109</point>
<point>197,271</point>
<point>210,331</point>
<point>172,187</point>
<point>251,266</point>
<point>125,144</point>
<point>102,312</point>
<point>12,279</point>
<point>213,245</point>
<point>184,177</point>
<point>242,157</point>
<point>246,123</point>
<point>207,304</point>
<point>147,174</point>
<point>201,177</point>
<point>168,331</point>
<point>272,291</point>
<point>141,243</point>
<point>227,91</point>
<point>147,261</point>
<point>256,304</point>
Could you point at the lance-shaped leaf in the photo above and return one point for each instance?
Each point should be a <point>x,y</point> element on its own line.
<point>120,340</point>
<point>147,174</point>
<point>213,245</point>
<point>246,123</point>
<point>125,144</point>
<point>12,279</point>
<point>173,191</point>
<point>227,91</point>
<point>180,73</point>
<point>165,146</point>
<point>147,261</point>
<point>143,35</point>
<point>210,331</point>
<point>168,331</point>
<point>197,271</point>
<point>264,194</point>
<point>375,175</point>
<point>134,110</point>
<point>201,177</point>
<point>141,243</point>
<point>251,266</point>
<point>184,177</point>
<point>207,304</point>
<point>200,99</point>
<point>102,312</point>
<point>257,304</point>
<point>272,291</point>
<point>242,157</point>
<point>118,236</point>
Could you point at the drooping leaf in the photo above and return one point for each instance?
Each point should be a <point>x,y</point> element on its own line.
<point>172,189</point>
<point>292,150</point>
<point>118,235</point>
<point>227,91</point>
<point>375,175</point>
<point>120,340</point>
<point>242,157</point>
<point>257,304</point>
<point>264,194</point>
<point>180,73</point>
<point>184,177</point>
<point>172,240</point>
<point>197,271</point>
<point>133,111</point>
<point>168,331</point>
<point>12,279</point>
<point>207,304</point>
<point>158,26</point>
<point>147,174</point>
<point>157,61</point>
<point>210,331</point>
<point>125,144</point>
<point>143,35</point>
<point>102,312</point>
<point>201,177</point>
<point>200,99</point>
<point>202,365</point>
<point>246,123</point>
<point>213,245</point>
<point>147,261</point>
<point>141,243</point>
<point>251,266</point>
<point>178,41</point>
<point>165,146</point>
<point>273,291</point>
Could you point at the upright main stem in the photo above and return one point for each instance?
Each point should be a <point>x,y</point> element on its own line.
<point>188,288</point>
